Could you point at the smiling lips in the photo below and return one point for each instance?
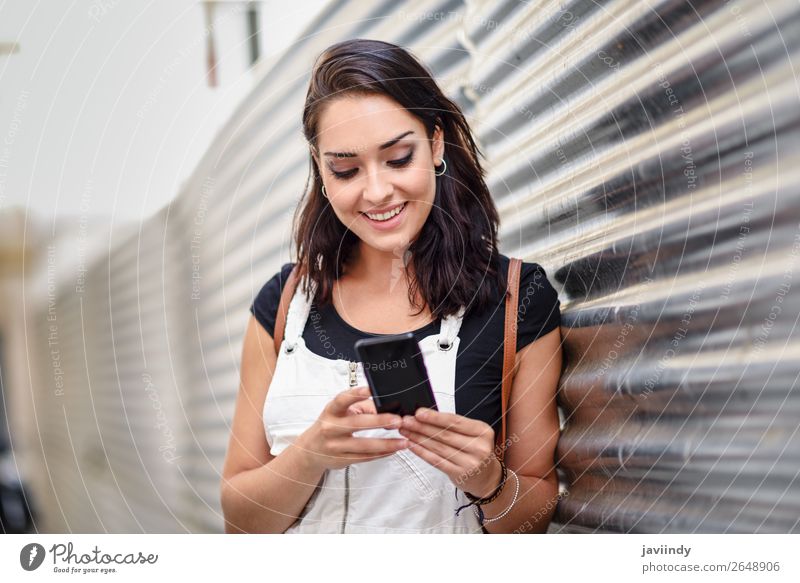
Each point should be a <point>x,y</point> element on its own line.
<point>387,220</point>
<point>386,215</point>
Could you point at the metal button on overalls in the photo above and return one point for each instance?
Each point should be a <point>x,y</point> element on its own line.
<point>400,493</point>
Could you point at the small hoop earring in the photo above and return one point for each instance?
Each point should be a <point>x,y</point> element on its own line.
<point>444,167</point>
<point>325,194</point>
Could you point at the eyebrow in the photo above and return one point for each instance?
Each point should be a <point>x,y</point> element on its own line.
<point>388,144</point>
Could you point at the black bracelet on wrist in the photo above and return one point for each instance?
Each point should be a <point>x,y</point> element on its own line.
<point>474,500</point>
<point>496,493</point>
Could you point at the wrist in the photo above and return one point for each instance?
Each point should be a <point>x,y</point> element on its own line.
<point>491,479</point>
<point>305,460</point>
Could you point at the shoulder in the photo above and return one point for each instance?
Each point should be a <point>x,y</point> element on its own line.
<point>538,309</point>
<point>265,304</point>
<point>535,287</point>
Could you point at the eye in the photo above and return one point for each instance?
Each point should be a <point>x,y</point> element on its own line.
<point>399,163</point>
<point>402,161</point>
<point>344,175</point>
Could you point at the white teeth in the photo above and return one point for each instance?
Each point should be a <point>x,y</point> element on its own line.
<point>386,216</point>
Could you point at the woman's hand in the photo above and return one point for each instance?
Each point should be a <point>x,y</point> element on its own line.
<point>461,447</point>
<point>329,442</point>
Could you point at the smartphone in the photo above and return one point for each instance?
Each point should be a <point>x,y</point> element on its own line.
<point>396,373</point>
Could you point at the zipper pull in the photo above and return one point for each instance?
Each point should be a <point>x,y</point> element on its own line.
<point>353,380</point>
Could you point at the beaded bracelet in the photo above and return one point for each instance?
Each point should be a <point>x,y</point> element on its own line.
<point>483,520</point>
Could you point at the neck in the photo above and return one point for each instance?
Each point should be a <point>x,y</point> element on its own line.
<point>380,270</point>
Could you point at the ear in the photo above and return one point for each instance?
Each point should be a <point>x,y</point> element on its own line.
<point>437,145</point>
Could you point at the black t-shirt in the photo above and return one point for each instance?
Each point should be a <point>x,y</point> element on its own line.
<point>479,362</point>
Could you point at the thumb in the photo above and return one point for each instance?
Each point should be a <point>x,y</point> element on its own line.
<point>366,406</point>
<point>341,402</point>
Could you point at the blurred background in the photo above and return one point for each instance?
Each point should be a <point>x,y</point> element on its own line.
<point>646,153</point>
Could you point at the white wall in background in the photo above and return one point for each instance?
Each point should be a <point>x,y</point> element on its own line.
<point>105,108</point>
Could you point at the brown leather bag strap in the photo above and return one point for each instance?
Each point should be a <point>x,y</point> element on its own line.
<point>283,306</point>
<point>509,346</point>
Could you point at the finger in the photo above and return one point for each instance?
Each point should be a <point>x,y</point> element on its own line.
<point>354,458</point>
<point>370,421</point>
<point>435,460</point>
<point>369,445</point>
<point>365,457</point>
<point>343,427</point>
<point>339,404</point>
<point>443,450</point>
<point>451,421</point>
<point>362,407</point>
<point>452,438</point>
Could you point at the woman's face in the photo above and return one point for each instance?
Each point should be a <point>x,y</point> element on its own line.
<point>374,157</point>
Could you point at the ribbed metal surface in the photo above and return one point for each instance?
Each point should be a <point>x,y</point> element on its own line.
<point>644,152</point>
<point>108,413</point>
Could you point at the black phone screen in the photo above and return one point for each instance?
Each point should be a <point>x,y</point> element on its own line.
<point>396,373</point>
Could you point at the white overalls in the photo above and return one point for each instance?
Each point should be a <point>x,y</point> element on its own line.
<point>400,493</point>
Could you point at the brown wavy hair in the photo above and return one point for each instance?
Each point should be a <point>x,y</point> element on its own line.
<point>455,256</point>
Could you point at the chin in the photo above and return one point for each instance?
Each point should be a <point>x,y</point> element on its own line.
<point>388,245</point>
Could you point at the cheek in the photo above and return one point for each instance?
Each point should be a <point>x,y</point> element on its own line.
<point>420,184</point>
<point>345,204</point>
<point>343,195</point>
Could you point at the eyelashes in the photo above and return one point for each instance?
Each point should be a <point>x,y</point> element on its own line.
<point>400,163</point>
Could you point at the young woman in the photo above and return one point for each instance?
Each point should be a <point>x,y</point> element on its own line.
<point>397,233</point>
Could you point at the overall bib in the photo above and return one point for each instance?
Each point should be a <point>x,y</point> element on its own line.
<point>400,493</point>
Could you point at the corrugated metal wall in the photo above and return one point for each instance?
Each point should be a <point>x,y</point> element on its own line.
<point>108,413</point>
<point>643,152</point>
<point>646,153</point>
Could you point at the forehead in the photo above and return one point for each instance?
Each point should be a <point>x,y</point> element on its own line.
<point>362,122</point>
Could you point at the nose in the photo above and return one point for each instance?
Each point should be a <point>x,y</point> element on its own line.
<point>378,188</point>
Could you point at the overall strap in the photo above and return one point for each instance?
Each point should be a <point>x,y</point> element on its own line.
<point>509,337</point>
<point>448,329</point>
<point>509,346</point>
<point>283,306</point>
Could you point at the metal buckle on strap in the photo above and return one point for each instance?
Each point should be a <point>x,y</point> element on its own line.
<point>449,330</point>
